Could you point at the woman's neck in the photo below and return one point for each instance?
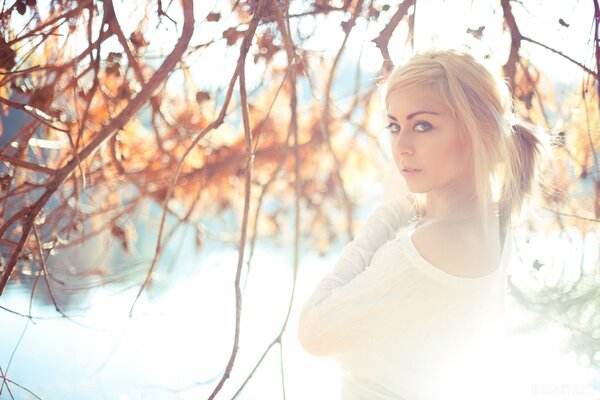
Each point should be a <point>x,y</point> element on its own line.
<point>451,207</point>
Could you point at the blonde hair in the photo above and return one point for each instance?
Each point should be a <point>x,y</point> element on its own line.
<point>505,154</point>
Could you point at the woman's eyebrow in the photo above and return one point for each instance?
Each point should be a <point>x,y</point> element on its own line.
<point>412,115</point>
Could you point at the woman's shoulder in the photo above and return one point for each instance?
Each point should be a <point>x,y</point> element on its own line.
<point>457,248</point>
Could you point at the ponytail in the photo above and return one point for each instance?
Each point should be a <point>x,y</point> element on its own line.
<point>524,149</point>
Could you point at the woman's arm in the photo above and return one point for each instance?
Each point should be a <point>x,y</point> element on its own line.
<point>333,292</point>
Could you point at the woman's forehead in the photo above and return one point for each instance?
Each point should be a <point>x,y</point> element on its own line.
<point>409,100</point>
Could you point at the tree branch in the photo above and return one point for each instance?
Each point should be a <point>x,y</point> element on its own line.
<point>510,67</point>
<point>106,132</point>
<point>247,191</point>
<point>383,39</point>
<point>580,65</point>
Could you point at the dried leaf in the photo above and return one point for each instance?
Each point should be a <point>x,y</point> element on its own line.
<point>21,7</point>
<point>7,56</point>
<point>347,26</point>
<point>213,17</point>
<point>124,91</point>
<point>113,64</point>
<point>232,35</point>
<point>477,33</point>
<point>138,40</point>
<point>373,12</point>
<point>42,98</point>
<point>126,235</point>
<point>202,96</point>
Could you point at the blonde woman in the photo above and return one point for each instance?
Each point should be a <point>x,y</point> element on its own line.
<point>414,306</point>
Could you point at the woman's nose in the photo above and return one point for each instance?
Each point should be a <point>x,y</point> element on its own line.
<point>403,145</point>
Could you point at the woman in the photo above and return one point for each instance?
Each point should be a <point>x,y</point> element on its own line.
<point>413,308</point>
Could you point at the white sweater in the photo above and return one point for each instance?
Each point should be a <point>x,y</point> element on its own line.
<point>402,328</point>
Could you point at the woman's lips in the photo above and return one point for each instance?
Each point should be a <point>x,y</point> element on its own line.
<point>409,171</point>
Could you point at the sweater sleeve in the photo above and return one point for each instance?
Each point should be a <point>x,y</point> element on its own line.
<point>342,293</point>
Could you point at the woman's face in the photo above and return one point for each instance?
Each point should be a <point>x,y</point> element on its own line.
<point>426,143</point>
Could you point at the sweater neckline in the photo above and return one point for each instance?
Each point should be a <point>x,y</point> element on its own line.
<point>438,273</point>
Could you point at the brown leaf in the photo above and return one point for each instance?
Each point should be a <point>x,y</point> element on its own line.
<point>125,236</point>
<point>7,56</point>
<point>138,40</point>
<point>21,7</point>
<point>477,33</point>
<point>213,17</point>
<point>347,26</point>
<point>267,48</point>
<point>232,35</point>
<point>42,98</point>
<point>373,12</point>
<point>113,64</point>
<point>124,92</point>
<point>202,96</point>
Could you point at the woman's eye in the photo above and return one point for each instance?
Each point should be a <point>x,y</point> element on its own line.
<point>422,126</point>
<point>393,127</point>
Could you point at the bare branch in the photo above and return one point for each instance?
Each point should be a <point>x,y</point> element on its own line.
<point>327,117</point>
<point>510,67</point>
<point>27,165</point>
<point>108,130</point>
<point>386,34</point>
<point>580,65</point>
<point>247,190</point>
<point>34,112</point>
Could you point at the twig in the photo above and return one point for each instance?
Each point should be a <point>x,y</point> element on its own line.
<point>571,215</point>
<point>383,39</point>
<point>215,124</point>
<point>510,67</point>
<point>327,115</point>
<point>32,111</point>
<point>297,189</point>
<point>106,132</point>
<point>21,71</point>
<point>580,65</point>
<point>44,271</point>
<point>27,165</point>
<point>64,16</point>
<point>281,367</point>
<point>114,25</point>
<point>597,47</point>
<point>516,38</point>
<point>247,190</point>
<point>266,185</point>
<point>591,141</point>
<point>4,380</point>
<point>162,13</point>
<point>12,355</point>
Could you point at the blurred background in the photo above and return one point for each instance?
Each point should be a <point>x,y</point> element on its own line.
<point>176,176</point>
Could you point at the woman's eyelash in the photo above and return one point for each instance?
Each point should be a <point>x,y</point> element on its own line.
<point>420,126</point>
<point>393,127</point>
<point>426,126</point>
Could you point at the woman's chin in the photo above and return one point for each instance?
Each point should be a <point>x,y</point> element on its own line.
<point>414,188</point>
